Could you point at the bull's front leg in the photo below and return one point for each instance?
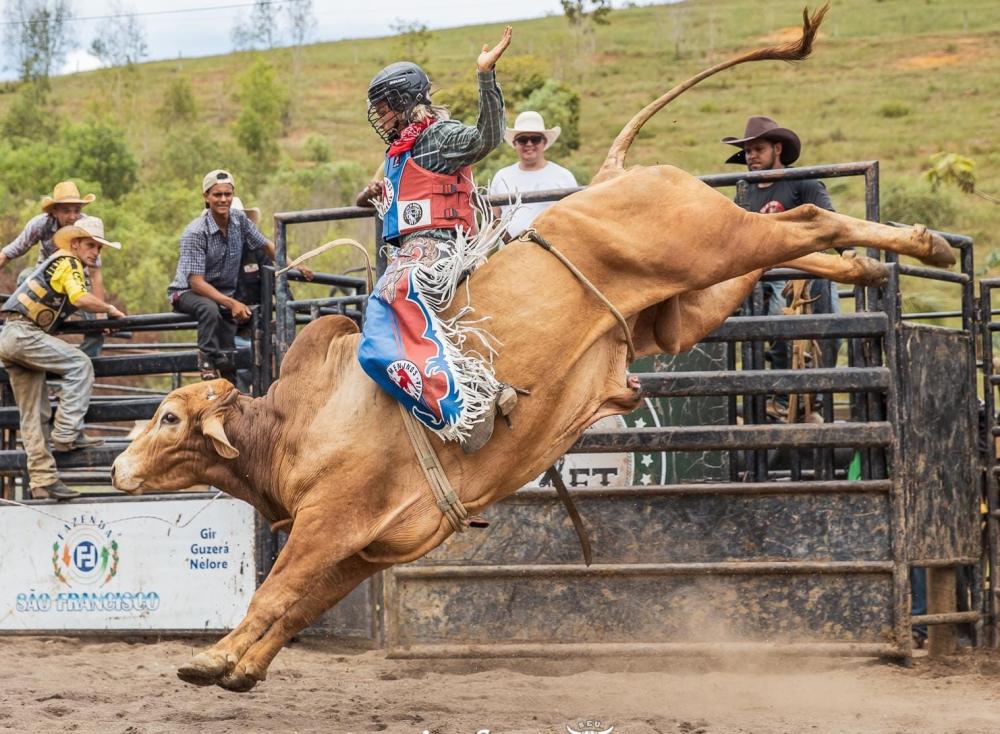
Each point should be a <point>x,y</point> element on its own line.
<point>849,267</point>
<point>308,578</point>
<point>336,583</point>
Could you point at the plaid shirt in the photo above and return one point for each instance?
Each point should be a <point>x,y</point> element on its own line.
<point>205,251</point>
<point>38,231</point>
<point>448,145</point>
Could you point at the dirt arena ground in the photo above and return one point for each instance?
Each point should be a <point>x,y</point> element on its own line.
<point>58,684</point>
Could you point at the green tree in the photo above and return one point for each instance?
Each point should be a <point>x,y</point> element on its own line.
<point>188,153</point>
<point>584,16</point>
<point>559,105</point>
<point>264,108</point>
<point>97,151</point>
<point>258,30</point>
<point>578,14</point>
<point>120,44</point>
<point>37,35</point>
<point>30,117</point>
<point>955,169</point>
<point>178,108</point>
<point>521,75</point>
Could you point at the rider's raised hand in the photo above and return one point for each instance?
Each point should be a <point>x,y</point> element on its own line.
<point>488,58</point>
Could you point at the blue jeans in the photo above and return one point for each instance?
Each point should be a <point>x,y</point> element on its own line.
<point>243,377</point>
<point>918,592</point>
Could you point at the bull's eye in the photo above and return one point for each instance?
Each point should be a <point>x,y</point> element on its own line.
<point>170,419</point>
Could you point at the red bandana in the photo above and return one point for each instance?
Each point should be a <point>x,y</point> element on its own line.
<point>408,137</point>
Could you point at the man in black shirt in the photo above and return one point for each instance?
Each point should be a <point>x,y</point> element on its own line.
<point>767,146</point>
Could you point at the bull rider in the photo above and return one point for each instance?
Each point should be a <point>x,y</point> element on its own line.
<point>428,220</point>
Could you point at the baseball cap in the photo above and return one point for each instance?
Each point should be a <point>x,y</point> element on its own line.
<point>216,177</point>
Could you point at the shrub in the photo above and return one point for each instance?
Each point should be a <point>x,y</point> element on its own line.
<point>178,108</point>
<point>318,149</point>
<point>265,109</point>
<point>893,109</point>
<point>918,203</point>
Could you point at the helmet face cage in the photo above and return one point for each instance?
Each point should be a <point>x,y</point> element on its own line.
<point>401,87</point>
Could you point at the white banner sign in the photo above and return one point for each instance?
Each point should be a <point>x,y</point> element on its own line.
<point>114,565</point>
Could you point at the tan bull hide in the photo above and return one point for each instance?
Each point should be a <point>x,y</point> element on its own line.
<point>325,449</point>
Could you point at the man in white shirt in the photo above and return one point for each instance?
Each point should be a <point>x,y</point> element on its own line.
<point>532,172</point>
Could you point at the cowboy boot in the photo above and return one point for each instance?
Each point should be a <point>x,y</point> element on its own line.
<point>483,430</point>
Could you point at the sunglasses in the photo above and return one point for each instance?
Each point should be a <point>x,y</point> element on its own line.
<point>525,139</point>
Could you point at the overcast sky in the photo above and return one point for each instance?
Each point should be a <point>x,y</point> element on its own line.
<point>197,30</point>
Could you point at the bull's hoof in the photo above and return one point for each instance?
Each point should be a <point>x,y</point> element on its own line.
<point>237,682</point>
<point>203,669</point>
<point>941,253</point>
<point>872,272</point>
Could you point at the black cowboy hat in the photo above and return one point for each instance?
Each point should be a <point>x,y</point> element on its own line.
<point>759,126</point>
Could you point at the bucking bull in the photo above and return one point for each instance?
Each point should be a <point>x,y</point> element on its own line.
<point>325,451</point>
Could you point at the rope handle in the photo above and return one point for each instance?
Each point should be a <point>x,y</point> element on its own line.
<point>369,272</point>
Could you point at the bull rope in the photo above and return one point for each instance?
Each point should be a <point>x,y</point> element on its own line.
<point>531,235</point>
<point>175,524</point>
<point>329,246</point>
<point>445,496</point>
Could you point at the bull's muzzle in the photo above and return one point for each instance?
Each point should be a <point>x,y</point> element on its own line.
<point>123,476</point>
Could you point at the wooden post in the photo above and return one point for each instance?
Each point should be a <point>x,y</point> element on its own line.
<point>941,638</point>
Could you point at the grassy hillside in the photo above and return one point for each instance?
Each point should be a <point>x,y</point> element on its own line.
<point>896,80</point>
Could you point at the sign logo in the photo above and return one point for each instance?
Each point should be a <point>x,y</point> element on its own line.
<point>85,553</point>
<point>615,470</point>
<point>413,213</point>
<point>591,726</point>
<point>405,375</point>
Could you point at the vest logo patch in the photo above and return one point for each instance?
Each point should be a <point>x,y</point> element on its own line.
<point>413,213</point>
<point>388,191</point>
<point>44,317</point>
<point>405,375</point>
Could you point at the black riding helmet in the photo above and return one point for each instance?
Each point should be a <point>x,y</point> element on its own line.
<point>402,86</point>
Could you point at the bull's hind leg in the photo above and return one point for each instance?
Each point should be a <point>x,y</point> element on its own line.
<point>307,569</point>
<point>813,229</point>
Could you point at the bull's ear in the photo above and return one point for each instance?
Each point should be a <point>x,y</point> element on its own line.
<point>212,427</point>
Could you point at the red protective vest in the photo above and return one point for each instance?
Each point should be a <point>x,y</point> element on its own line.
<point>419,199</point>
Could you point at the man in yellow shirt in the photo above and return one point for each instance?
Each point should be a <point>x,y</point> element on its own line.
<point>56,289</point>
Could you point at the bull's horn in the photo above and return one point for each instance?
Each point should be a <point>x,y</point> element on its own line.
<point>794,51</point>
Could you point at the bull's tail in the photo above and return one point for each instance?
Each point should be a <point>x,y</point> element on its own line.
<point>794,51</point>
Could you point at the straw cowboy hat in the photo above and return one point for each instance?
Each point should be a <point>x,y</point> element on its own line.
<point>759,127</point>
<point>531,122</point>
<point>253,213</point>
<point>65,192</point>
<point>89,227</point>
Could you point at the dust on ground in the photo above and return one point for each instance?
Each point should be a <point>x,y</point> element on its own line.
<point>61,684</point>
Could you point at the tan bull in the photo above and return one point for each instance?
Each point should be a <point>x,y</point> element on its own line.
<point>325,450</point>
